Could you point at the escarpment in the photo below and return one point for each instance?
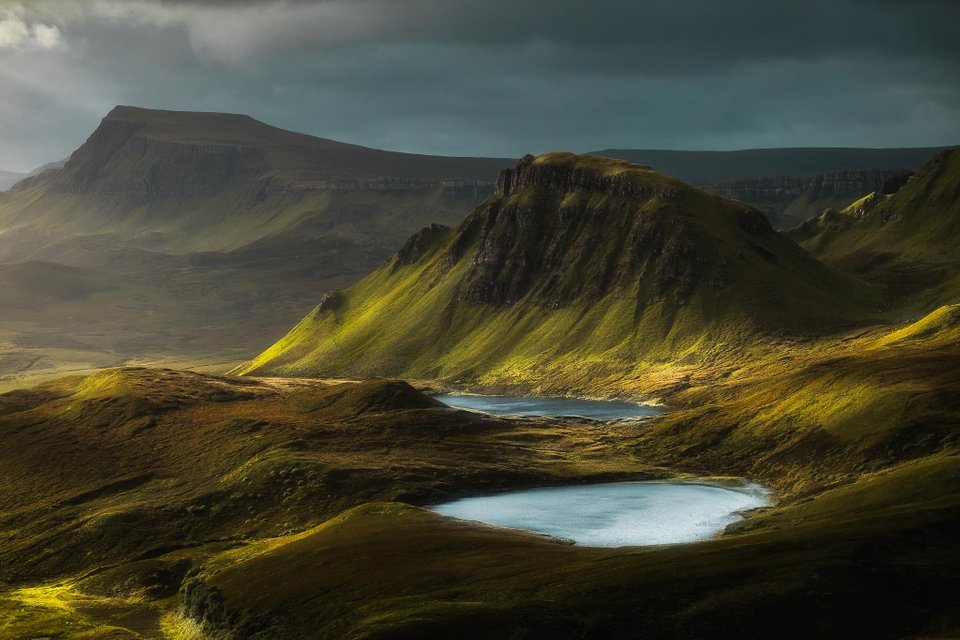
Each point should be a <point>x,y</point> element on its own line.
<point>789,199</point>
<point>841,184</point>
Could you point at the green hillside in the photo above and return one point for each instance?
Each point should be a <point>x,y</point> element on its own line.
<point>905,241</point>
<point>581,272</point>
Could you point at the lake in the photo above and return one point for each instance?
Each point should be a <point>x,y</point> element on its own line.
<point>555,407</point>
<point>617,514</point>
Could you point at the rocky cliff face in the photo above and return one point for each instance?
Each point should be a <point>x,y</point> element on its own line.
<point>567,233</point>
<point>118,159</point>
<point>836,184</point>
<point>115,160</point>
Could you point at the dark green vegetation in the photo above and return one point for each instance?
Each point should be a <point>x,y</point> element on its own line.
<point>116,485</point>
<point>211,234</point>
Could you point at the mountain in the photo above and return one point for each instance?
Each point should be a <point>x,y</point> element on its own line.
<point>219,229</point>
<point>905,241</point>
<point>579,268</point>
<point>788,185</point>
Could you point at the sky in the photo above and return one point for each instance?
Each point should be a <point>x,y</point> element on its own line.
<point>491,77</point>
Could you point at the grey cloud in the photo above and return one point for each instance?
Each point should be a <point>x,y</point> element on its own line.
<point>498,77</point>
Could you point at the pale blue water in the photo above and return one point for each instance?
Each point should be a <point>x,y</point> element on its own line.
<point>616,514</point>
<point>557,407</point>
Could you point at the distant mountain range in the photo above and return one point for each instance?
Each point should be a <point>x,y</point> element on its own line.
<point>788,185</point>
<point>9,178</point>
<point>713,167</point>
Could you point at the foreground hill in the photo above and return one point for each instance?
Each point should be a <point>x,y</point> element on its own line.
<point>159,504</point>
<point>906,241</point>
<point>580,268</point>
<point>222,221</point>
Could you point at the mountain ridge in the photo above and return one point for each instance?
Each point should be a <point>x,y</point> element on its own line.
<point>576,259</point>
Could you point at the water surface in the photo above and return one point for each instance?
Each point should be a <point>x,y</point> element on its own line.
<point>616,514</point>
<point>556,407</point>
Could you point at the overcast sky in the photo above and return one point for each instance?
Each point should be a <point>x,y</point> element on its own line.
<point>491,77</point>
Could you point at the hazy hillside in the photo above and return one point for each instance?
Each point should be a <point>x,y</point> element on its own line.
<point>216,231</point>
<point>10,178</point>
<point>580,267</point>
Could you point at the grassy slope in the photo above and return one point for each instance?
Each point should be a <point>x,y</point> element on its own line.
<point>859,438</point>
<point>903,241</point>
<point>410,320</point>
<point>116,484</point>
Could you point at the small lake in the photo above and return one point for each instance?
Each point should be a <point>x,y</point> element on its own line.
<point>617,514</point>
<point>555,407</point>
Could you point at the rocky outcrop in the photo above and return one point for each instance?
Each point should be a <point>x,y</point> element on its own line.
<point>205,606</point>
<point>568,179</point>
<point>420,243</point>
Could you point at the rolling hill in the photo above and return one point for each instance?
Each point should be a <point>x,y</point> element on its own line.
<point>579,268</point>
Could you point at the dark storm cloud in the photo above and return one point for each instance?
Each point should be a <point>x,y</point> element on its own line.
<point>492,77</point>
